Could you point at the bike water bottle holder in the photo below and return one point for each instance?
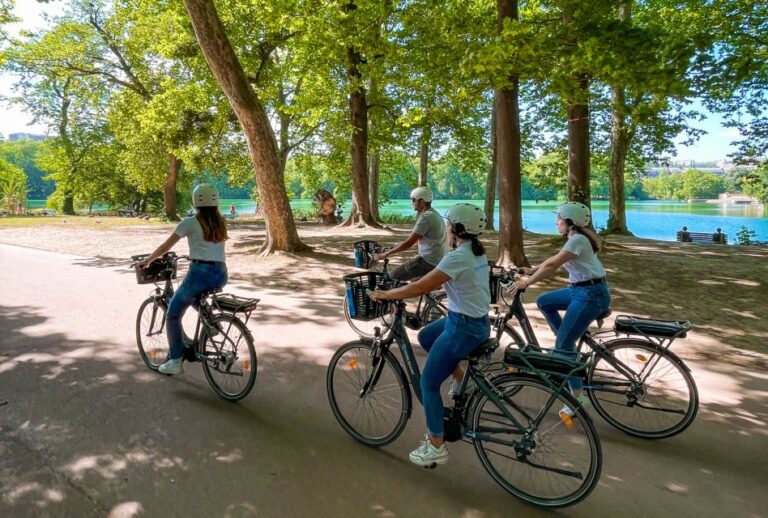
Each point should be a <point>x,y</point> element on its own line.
<point>361,306</point>
<point>364,251</point>
<point>494,279</point>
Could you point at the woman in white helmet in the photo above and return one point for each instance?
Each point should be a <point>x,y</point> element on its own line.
<point>587,296</point>
<point>463,273</point>
<point>429,233</point>
<point>206,232</point>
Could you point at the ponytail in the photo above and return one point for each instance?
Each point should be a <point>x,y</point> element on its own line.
<point>213,224</point>
<point>590,234</point>
<point>458,230</point>
<point>477,247</point>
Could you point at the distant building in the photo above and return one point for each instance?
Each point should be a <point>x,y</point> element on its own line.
<point>26,136</point>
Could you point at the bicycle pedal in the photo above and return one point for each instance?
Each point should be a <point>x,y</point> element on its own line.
<point>431,466</point>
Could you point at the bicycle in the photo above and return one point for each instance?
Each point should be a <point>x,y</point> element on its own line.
<point>429,307</point>
<point>221,342</point>
<point>634,382</point>
<point>514,423</point>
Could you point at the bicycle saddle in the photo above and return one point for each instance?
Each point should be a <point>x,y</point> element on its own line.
<point>484,348</point>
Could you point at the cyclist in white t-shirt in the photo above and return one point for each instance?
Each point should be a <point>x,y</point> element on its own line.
<point>463,273</point>
<point>206,233</point>
<point>586,298</point>
<point>429,233</point>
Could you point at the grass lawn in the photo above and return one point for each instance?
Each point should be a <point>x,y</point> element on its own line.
<point>72,221</point>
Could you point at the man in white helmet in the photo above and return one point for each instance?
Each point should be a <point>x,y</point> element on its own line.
<point>429,233</point>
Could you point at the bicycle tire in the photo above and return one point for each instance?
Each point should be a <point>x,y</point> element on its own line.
<point>514,468</point>
<point>222,356</point>
<point>366,328</point>
<point>673,383</point>
<point>151,337</point>
<point>347,373</point>
<point>435,308</point>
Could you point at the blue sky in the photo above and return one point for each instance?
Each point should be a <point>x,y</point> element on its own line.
<point>715,145</point>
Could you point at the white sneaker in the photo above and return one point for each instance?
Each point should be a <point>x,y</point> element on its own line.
<point>568,412</point>
<point>172,367</point>
<point>427,454</point>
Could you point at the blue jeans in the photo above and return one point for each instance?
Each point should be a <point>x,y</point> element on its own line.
<point>200,277</point>
<point>582,305</point>
<point>448,341</point>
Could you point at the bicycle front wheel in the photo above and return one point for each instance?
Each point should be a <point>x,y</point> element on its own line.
<point>367,328</point>
<point>229,360</point>
<point>151,337</point>
<point>661,402</point>
<point>552,458</point>
<point>368,393</point>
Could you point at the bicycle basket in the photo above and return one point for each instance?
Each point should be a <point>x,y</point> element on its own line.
<point>361,306</point>
<point>494,279</point>
<point>160,270</point>
<point>233,304</point>
<point>364,251</point>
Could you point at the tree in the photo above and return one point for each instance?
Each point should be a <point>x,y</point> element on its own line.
<point>13,188</point>
<point>224,64</point>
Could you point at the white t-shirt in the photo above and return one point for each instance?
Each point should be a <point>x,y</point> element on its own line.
<point>586,265</point>
<point>199,248</point>
<point>468,291</point>
<point>431,227</point>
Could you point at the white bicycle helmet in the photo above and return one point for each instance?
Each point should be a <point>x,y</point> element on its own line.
<point>470,217</point>
<point>575,211</point>
<point>422,193</point>
<point>205,195</point>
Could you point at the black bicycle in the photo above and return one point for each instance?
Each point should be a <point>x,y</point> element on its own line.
<point>221,341</point>
<point>634,381</point>
<point>514,423</point>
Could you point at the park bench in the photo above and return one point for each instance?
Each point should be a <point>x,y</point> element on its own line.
<point>702,237</point>
<point>126,213</point>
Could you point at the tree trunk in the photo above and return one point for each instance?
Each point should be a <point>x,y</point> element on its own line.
<point>511,247</point>
<point>221,59</point>
<point>490,184</point>
<point>358,111</point>
<point>578,146</point>
<point>621,136</point>
<point>169,192</point>
<point>373,183</point>
<point>426,136</point>
<point>68,207</point>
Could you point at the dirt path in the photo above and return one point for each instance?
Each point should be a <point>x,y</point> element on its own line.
<point>88,431</point>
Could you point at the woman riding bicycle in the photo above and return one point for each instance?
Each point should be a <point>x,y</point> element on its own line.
<point>206,232</point>
<point>586,298</point>
<point>464,274</point>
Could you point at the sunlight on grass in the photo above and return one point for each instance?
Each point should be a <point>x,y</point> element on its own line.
<point>73,221</point>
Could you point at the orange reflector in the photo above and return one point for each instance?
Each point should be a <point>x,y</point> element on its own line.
<point>153,354</point>
<point>511,369</point>
<point>246,365</point>
<point>566,419</point>
<point>641,357</point>
<point>352,364</point>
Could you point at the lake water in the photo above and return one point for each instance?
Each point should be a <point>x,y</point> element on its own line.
<point>649,219</point>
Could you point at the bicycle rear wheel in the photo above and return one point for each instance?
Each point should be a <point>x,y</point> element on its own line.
<point>435,308</point>
<point>151,337</point>
<point>551,460</point>
<point>368,393</point>
<point>230,357</point>
<point>663,405</point>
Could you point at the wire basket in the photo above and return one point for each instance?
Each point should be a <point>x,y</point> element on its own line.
<point>160,270</point>
<point>364,251</point>
<point>494,281</point>
<point>361,306</point>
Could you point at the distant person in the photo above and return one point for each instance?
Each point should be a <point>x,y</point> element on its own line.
<point>718,237</point>
<point>232,211</point>
<point>685,236</point>
<point>429,233</point>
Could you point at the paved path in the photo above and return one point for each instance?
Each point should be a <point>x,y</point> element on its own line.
<point>87,430</point>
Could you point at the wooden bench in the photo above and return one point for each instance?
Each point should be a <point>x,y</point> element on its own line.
<point>126,213</point>
<point>702,237</point>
